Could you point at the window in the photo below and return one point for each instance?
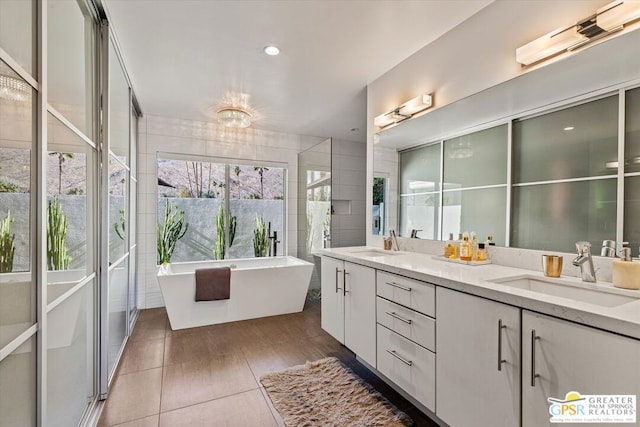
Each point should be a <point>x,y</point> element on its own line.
<point>564,183</point>
<point>475,184</point>
<point>220,210</point>
<point>631,232</point>
<point>420,191</point>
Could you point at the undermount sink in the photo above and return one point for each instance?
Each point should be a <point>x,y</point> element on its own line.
<point>373,252</point>
<point>591,293</point>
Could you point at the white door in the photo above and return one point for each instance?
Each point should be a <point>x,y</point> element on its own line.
<point>332,298</point>
<point>559,357</point>
<point>360,311</point>
<point>477,361</point>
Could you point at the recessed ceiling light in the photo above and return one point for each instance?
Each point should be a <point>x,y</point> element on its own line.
<point>271,50</point>
<point>569,128</point>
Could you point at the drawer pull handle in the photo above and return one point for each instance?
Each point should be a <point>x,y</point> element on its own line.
<point>395,285</point>
<point>500,359</point>
<point>534,338</point>
<point>400,358</point>
<point>337,272</point>
<point>395,316</point>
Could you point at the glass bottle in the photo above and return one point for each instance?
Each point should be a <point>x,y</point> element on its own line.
<point>465,248</point>
<point>482,254</point>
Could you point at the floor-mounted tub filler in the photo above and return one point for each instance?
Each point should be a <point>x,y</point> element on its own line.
<point>260,287</point>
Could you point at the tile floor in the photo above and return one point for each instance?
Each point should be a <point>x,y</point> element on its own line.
<point>210,376</point>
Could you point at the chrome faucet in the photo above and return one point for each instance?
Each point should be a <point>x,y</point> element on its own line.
<point>585,261</point>
<point>394,240</point>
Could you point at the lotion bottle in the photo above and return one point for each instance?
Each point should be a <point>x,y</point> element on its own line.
<point>626,272</point>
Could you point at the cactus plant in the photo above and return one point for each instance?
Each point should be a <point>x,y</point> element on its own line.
<point>7,246</point>
<point>57,257</point>
<point>219,250</point>
<point>260,238</point>
<point>173,229</point>
<point>120,225</point>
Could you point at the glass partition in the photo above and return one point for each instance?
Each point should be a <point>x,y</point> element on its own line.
<point>18,394</point>
<point>70,62</point>
<point>117,316</point>
<point>17,285</point>
<point>70,343</point>
<point>119,109</point>
<point>118,203</point>
<point>17,35</point>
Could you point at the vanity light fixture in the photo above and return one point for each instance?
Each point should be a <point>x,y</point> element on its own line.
<point>607,20</point>
<point>405,111</point>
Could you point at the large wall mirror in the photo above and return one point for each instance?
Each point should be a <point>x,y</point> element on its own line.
<point>533,168</point>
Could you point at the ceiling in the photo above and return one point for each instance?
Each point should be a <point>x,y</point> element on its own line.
<point>185,56</point>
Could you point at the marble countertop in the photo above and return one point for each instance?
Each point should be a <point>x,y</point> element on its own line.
<point>623,319</point>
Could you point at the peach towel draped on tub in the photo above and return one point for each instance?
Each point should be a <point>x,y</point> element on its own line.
<point>213,283</point>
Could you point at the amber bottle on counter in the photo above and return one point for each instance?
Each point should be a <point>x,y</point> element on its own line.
<point>465,248</point>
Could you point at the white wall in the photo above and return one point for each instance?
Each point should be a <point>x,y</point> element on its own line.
<point>480,54</point>
<point>170,135</point>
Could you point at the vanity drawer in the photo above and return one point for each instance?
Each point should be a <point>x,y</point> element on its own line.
<point>414,294</point>
<point>408,323</point>
<point>408,365</point>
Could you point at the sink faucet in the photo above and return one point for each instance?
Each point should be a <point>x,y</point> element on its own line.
<point>394,240</point>
<point>414,233</point>
<point>585,262</point>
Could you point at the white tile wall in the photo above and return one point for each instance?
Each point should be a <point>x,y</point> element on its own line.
<point>172,135</point>
<point>348,182</point>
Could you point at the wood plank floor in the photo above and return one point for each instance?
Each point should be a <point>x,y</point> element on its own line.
<point>210,376</point>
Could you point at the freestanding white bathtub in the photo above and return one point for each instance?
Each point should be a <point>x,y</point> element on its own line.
<point>259,287</point>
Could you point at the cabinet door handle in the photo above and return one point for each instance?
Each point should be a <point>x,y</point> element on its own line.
<point>337,272</point>
<point>395,285</point>
<point>400,358</point>
<point>395,316</point>
<point>344,283</point>
<point>500,359</point>
<point>534,338</point>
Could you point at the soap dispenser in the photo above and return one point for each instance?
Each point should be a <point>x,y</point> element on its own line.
<point>626,272</point>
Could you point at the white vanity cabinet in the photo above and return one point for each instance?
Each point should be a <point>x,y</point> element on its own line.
<point>348,307</point>
<point>407,337</point>
<point>560,356</point>
<point>332,302</point>
<point>478,363</point>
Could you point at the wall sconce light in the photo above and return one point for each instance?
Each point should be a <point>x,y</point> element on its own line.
<point>405,111</point>
<point>607,20</point>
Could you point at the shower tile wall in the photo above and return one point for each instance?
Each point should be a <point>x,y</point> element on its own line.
<point>348,186</point>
